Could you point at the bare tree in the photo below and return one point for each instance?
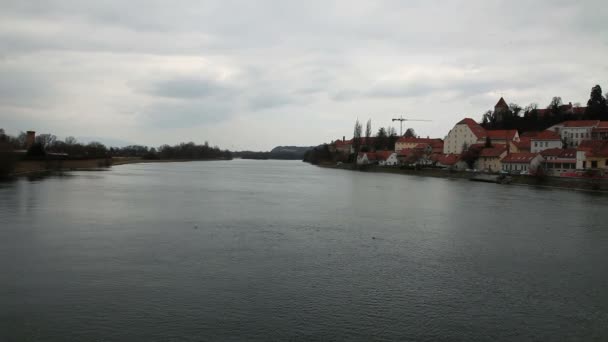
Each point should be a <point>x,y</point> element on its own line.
<point>46,140</point>
<point>70,141</point>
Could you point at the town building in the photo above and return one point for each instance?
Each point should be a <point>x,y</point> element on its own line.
<point>524,162</point>
<point>450,161</point>
<point>343,146</point>
<point>557,160</point>
<point>387,158</point>
<point>573,132</point>
<point>366,158</point>
<point>545,140</point>
<point>465,133</point>
<point>592,154</point>
<point>412,142</point>
<point>490,158</point>
<point>600,132</point>
<point>500,136</point>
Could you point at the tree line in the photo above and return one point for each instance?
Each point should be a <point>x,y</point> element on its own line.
<point>46,145</point>
<point>533,118</point>
<point>383,140</point>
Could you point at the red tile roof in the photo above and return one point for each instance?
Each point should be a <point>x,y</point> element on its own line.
<point>447,159</point>
<point>413,140</point>
<point>563,108</point>
<point>495,151</point>
<point>581,123</point>
<point>594,148</point>
<point>551,152</point>
<point>383,155</point>
<point>370,155</point>
<point>501,133</point>
<point>601,127</point>
<point>473,126</point>
<point>524,143</point>
<point>568,153</point>
<point>520,158</point>
<point>405,152</point>
<point>547,135</point>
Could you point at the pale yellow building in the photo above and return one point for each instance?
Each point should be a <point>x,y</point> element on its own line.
<point>466,133</point>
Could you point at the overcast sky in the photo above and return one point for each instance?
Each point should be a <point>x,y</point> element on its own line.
<point>256,74</point>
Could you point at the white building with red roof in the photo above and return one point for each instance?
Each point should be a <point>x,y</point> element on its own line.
<point>558,160</point>
<point>524,162</point>
<point>366,158</point>
<point>387,158</point>
<point>545,140</point>
<point>573,132</point>
<point>600,132</point>
<point>465,133</point>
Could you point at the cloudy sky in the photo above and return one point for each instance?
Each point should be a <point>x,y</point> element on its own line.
<point>256,74</point>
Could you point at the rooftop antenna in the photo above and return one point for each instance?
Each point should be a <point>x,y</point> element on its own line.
<point>401,119</point>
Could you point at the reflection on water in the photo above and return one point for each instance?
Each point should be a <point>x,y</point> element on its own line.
<point>280,250</point>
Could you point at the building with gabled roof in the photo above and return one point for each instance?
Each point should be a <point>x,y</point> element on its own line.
<point>490,158</point>
<point>523,162</point>
<point>600,132</point>
<point>558,160</point>
<point>545,140</point>
<point>465,133</point>
<point>592,154</point>
<point>412,142</point>
<point>573,132</point>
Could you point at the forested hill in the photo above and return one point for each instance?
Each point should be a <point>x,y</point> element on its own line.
<point>279,152</point>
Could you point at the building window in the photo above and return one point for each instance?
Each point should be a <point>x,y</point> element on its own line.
<point>594,164</point>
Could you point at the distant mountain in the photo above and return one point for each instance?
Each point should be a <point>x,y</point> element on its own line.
<point>291,149</point>
<point>279,152</point>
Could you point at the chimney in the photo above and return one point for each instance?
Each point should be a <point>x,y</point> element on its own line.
<point>30,138</point>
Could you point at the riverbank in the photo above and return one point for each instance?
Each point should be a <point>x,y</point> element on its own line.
<point>33,167</point>
<point>132,160</point>
<point>522,180</point>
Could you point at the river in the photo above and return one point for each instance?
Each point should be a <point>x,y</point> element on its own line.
<point>282,250</point>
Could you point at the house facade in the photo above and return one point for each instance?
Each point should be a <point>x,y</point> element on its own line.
<point>387,158</point>
<point>412,142</point>
<point>557,160</point>
<point>575,131</point>
<point>525,162</point>
<point>465,133</point>
<point>366,158</point>
<point>592,154</point>
<point>490,158</point>
<point>545,140</point>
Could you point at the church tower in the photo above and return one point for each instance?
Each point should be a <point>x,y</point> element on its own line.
<point>500,108</point>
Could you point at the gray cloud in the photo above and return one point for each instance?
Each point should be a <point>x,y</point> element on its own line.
<point>218,64</point>
<point>188,88</point>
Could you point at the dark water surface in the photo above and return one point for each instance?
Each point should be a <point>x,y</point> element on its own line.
<point>280,250</point>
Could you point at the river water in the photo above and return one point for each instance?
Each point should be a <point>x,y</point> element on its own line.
<point>281,250</point>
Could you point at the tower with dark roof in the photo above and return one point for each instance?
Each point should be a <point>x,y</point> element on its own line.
<point>500,109</point>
